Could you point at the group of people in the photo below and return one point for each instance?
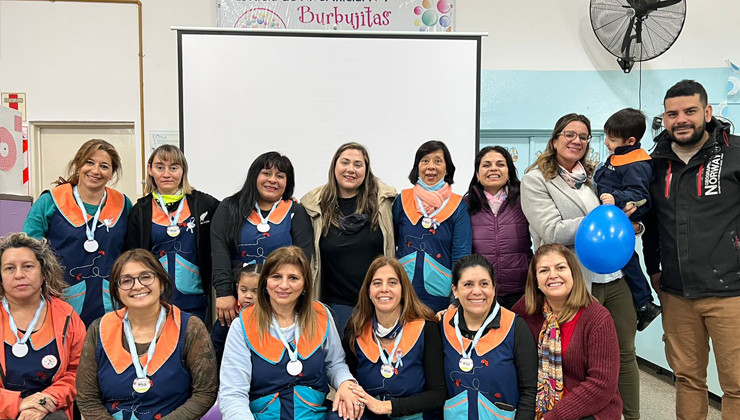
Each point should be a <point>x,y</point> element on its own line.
<point>419,305</point>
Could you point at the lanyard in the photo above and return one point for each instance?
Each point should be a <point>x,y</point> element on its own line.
<point>292,353</point>
<point>141,372</point>
<point>434,213</point>
<point>176,217</point>
<point>263,220</point>
<point>89,231</point>
<point>477,334</point>
<point>387,360</point>
<point>31,325</point>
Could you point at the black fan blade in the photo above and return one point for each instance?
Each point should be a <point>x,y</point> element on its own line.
<point>661,4</point>
<point>628,37</point>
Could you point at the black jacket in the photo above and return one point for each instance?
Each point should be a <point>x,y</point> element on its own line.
<point>202,206</point>
<point>692,228</point>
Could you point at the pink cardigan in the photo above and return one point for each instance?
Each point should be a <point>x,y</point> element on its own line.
<point>590,365</point>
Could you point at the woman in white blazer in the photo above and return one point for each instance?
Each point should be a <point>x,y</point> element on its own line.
<point>557,192</point>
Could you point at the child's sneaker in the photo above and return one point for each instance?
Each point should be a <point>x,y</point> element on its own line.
<point>646,315</point>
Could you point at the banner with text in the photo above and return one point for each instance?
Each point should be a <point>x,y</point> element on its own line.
<point>361,15</point>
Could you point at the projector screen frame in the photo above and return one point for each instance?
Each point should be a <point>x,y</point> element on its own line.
<point>469,36</point>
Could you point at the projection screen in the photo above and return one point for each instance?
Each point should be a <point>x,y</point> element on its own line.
<point>245,92</point>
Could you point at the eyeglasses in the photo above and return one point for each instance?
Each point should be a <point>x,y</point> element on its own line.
<point>146,278</point>
<point>572,135</point>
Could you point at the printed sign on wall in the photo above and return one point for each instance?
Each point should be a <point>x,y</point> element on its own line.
<point>359,15</point>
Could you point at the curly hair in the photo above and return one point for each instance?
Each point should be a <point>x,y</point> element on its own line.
<point>51,272</point>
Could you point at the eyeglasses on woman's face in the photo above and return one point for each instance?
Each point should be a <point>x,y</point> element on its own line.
<point>146,278</point>
<point>572,135</point>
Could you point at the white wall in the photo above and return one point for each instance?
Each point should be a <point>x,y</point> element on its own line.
<point>79,61</point>
<point>557,35</point>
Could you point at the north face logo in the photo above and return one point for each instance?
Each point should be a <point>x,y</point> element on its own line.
<point>712,175</point>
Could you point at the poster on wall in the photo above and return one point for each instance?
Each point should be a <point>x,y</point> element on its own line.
<point>358,15</point>
<point>11,152</point>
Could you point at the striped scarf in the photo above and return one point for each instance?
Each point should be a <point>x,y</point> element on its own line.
<point>550,368</point>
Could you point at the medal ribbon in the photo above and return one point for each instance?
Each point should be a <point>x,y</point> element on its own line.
<point>31,325</point>
<point>263,220</point>
<point>292,354</point>
<point>388,360</point>
<point>176,217</point>
<point>478,334</point>
<point>89,231</point>
<point>434,213</point>
<point>141,372</point>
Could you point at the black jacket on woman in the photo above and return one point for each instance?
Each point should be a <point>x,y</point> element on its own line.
<point>202,207</point>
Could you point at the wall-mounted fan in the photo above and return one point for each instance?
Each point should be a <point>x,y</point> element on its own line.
<point>637,30</point>
<point>657,125</point>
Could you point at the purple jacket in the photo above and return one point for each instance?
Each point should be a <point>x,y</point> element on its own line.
<point>504,240</point>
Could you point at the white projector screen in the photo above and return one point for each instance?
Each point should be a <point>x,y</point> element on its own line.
<point>303,94</point>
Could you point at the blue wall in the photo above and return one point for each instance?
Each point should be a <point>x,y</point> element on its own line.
<point>530,101</point>
<point>536,99</point>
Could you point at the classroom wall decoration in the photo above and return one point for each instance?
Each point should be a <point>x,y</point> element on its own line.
<point>362,15</point>
<point>11,164</point>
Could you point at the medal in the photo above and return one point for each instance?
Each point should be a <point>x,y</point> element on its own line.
<point>263,226</point>
<point>466,361</point>
<point>173,231</point>
<point>20,350</point>
<point>427,220</point>
<point>466,364</point>
<point>294,367</point>
<point>386,371</point>
<point>90,245</point>
<point>49,361</point>
<point>142,385</point>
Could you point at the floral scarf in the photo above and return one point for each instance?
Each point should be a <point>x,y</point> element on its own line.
<point>550,367</point>
<point>576,178</point>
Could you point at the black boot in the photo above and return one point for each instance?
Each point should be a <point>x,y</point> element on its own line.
<point>646,315</point>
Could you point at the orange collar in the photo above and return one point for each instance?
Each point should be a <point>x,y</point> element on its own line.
<point>411,333</point>
<point>39,339</point>
<point>276,217</point>
<point>488,342</point>
<point>65,202</point>
<point>270,348</point>
<point>409,206</point>
<point>637,155</point>
<point>111,336</point>
<point>162,219</point>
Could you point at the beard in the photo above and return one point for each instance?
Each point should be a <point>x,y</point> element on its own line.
<point>694,139</point>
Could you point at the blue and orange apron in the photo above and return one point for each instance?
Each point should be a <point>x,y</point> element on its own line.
<point>87,273</point>
<point>493,377</point>
<point>116,373</point>
<point>426,253</point>
<point>255,246</point>
<point>275,394</point>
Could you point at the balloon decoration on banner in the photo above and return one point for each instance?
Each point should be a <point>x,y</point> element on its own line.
<point>605,240</point>
<point>433,12</point>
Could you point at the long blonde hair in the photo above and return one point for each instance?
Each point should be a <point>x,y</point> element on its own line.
<point>547,161</point>
<point>412,308</point>
<point>367,193</point>
<point>290,255</point>
<point>579,296</point>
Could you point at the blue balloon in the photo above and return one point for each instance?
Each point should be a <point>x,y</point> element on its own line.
<point>605,240</point>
